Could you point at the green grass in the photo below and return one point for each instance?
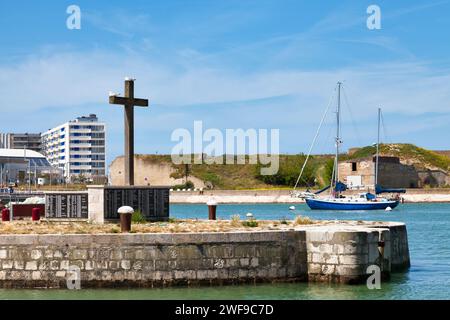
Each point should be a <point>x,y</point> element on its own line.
<point>138,217</point>
<point>317,173</point>
<point>250,223</point>
<point>421,157</point>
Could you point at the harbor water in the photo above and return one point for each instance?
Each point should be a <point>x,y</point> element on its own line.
<point>428,278</point>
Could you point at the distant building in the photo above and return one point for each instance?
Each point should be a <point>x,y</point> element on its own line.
<point>149,171</point>
<point>30,141</point>
<point>19,166</point>
<point>360,174</point>
<point>78,148</point>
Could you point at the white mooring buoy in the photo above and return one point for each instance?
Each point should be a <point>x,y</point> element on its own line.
<point>292,208</point>
<point>388,209</point>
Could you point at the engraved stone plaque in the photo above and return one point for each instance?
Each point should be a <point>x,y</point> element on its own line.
<point>66,205</point>
<point>152,202</point>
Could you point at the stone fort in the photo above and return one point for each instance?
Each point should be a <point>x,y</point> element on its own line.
<point>360,173</point>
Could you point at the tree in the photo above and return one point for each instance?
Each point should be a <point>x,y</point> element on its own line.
<point>289,171</point>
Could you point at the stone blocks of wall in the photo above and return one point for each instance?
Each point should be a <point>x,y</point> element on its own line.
<point>325,253</point>
<point>149,260</point>
<point>399,248</point>
<point>344,255</point>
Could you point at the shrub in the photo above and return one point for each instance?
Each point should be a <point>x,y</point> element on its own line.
<point>187,185</point>
<point>235,220</point>
<point>250,223</point>
<point>212,178</point>
<point>114,230</point>
<point>138,217</point>
<point>300,220</point>
<point>328,171</point>
<point>288,172</point>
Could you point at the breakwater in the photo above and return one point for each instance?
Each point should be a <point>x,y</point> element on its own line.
<point>339,252</point>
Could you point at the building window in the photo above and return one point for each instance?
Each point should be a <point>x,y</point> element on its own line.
<point>354,166</point>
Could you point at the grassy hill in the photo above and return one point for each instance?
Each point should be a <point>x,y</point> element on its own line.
<point>317,173</point>
<point>248,176</point>
<point>408,153</point>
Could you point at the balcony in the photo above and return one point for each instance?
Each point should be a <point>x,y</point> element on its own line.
<point>80,130</point>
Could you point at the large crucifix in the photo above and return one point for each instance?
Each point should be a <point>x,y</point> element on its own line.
<point>129,102</point>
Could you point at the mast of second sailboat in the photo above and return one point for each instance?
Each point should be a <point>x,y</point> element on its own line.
<point>338,134</point>
<point>378,149</point>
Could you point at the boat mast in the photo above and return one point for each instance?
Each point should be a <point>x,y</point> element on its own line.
<point>378,148</point>
<point>338,133</point>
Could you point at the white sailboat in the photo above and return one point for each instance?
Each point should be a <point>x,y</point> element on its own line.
<point>336,200</point>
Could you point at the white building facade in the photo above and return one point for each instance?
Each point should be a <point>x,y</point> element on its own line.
<point>78,148</point>
<point>22,166</point>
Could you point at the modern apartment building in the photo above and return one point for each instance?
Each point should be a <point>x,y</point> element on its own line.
<point>30,141</point>
<point>77,147</point>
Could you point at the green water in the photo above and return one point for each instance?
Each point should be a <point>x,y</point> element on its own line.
<point>428,278</point>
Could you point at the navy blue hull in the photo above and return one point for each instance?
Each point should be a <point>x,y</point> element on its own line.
<point>317,204</point>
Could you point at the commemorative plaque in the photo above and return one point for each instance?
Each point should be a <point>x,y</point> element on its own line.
<point>66,205</point>
<point>152,202</point>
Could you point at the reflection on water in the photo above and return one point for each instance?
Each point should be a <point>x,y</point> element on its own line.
<point>233,292</point>
<point>429,277</point>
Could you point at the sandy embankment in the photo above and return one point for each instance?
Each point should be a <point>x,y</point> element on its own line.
<point>283,196</point>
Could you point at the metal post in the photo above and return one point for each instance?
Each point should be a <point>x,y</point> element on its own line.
<point>29,176</point>
<point>338,132</point>
<point>212,207</point>
<point>35,177</point>
<point>378,148</point>
<point>10,208</point>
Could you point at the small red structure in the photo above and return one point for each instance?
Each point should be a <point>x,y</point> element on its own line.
<point>212,206</point>
<point>21,211</point>
<point>35,214</point>
<point>5,214</point>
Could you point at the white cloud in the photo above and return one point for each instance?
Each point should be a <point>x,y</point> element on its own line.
<point>71,79</point>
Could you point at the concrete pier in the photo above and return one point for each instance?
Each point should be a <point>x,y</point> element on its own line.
<point>339,252</point>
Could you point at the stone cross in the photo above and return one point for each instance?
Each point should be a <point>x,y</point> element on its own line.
<point>129,102</point>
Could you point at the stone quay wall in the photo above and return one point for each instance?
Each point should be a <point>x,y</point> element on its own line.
<point>332,254</point>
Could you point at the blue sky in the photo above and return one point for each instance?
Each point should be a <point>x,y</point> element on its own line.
<point>233,64</point>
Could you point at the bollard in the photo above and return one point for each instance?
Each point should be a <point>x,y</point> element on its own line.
<point>125,213</point>
<point>5,214</point>
<point>212,206</point>
<point>35,214</point>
